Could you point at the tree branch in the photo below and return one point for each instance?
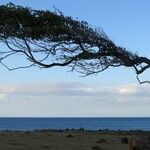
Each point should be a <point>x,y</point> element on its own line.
<point>48,39</point>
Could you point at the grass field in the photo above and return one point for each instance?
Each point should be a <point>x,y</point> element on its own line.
<point>66,140</point>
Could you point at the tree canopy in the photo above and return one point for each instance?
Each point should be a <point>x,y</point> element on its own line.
<point>48,39</point>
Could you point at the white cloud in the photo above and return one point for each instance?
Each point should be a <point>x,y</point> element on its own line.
<point>2,96</point>
<point>74,99</point>
<point>127,89</point>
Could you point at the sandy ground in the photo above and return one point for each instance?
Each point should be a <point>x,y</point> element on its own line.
<point>68,140</point>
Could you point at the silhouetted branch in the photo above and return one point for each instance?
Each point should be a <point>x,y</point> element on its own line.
<point>49,39</point>
<point>141,82</point>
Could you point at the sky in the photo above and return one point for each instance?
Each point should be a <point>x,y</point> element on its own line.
<point>56,92</point>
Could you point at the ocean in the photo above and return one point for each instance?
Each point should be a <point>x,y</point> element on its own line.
<point>75,123</point>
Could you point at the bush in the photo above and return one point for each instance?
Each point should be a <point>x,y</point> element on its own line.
<point>124,140</point>
<point>102,140</point>
<point>69,136</point>
<point>96,148</point>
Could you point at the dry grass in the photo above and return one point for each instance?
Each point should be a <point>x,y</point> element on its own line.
<point>63,140</point>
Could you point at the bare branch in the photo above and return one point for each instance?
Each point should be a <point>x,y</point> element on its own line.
<point>141,82</point>
<point>48,39</point>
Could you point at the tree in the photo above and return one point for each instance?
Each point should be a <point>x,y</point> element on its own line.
<point>48,39</point>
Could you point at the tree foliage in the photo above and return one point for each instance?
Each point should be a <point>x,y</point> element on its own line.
<point>48,39</point>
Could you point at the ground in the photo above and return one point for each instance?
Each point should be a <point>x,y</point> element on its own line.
<point>67,140</point>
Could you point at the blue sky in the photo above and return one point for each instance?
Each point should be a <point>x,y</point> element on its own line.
<point>114,92</point>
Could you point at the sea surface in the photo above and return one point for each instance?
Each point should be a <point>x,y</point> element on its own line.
<point>75,123</point>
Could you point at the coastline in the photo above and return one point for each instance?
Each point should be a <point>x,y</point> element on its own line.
<point>71,139</point>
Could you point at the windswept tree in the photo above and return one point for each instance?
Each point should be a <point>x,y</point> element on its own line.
<point>48,39</point>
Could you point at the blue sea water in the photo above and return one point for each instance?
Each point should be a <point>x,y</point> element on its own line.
<point>75,123</point>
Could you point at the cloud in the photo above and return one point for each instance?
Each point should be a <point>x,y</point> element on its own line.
<point>74,99</point>
<point>3,96</point>
<point>76,90</point>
